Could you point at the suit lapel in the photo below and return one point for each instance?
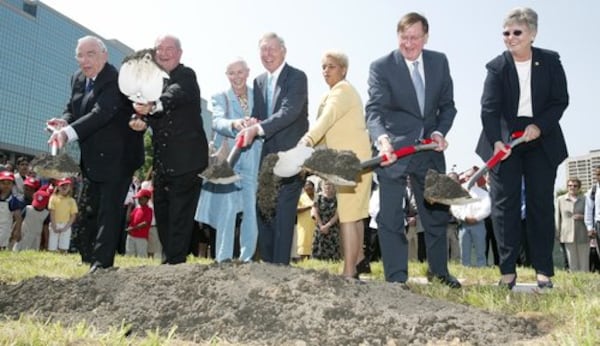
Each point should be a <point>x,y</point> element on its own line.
<point>280,81</point>
<point>513,84</point>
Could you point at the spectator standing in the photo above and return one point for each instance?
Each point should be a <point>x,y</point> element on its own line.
<point>10,210</point>
<point>35,221</point>
<point>63,211</point>
<point>326,243</point>
<point>140,221</point>
<point>570,227</point>
<point>305,225</point>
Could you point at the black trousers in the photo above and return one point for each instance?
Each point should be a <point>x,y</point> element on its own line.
<point>99,222</point>
<point>175,201</point>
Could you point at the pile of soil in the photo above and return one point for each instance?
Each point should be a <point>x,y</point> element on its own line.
<point>220,169</point>
<point>55,167</point>
<point>343,163</point>
<point>259,304</point>
<point>441,187</point>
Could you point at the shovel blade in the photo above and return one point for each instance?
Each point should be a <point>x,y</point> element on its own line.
<point>221,180</point>
<point>453,201</point>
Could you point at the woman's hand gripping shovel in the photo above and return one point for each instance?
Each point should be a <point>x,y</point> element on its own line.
<point>439,188</point>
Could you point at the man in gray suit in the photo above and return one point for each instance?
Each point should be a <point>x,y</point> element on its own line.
<point>411,98</point>
<point>281,106</point>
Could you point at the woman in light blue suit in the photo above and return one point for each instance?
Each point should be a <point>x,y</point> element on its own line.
<point>219,204</point>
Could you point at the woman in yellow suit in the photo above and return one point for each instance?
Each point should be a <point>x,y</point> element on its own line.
<point>341,125</point>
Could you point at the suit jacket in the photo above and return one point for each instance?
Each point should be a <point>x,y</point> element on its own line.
<point>110,150</point>
<point>500,103</point>
<point>178,136</point>
<point>289,121</point>
<point>393,108</point>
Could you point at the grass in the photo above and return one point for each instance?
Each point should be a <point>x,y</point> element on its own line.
<point>569,314</point>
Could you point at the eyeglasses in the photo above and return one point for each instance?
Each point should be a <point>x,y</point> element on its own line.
<point>405,39</point>
<point>515,33</point>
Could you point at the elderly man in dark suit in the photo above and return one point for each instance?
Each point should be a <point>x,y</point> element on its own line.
<point>281,106</point>
<point>180,150</point>
<point>411,98</point>
<point>97,116</point>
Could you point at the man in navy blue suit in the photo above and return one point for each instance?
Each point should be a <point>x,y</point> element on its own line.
<point>411,98</point>
<point>281,106</point>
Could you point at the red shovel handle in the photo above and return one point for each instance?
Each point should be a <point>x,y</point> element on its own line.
<point>426,144</point>
<point>517,138</point>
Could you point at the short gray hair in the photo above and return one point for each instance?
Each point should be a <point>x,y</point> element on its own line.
<point>236,60</point>
<point>98,41</point>
<point>173,37</point>
<point>272,35</point>
<point>524,16</point>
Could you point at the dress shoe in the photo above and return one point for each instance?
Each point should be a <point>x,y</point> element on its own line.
<point>447,279</point>
<point>508,285</point>
<point>403,285</point>
<point>363,267</point>
<point>545,284</point>
<point>94,268</point>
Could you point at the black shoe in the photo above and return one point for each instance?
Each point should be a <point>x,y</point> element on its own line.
<point>508,285</point>
<point>545,284</point>
<point>447,279</point>
<point>403,285</point>
<point>363,267</point>
<point>94,268</point>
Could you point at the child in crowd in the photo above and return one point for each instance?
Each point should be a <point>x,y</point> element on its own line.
<point>31,185</point>
<point>326,242</point>
<point>10,210</point>
<point>140,221</point>
<point>35,220</point>
<point>63,210</point>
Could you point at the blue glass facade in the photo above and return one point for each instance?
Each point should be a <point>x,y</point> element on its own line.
<point>37,59</point>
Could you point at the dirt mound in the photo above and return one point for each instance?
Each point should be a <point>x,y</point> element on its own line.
<point>259,304</point>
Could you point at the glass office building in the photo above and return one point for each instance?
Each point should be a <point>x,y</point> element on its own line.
<point>37,60</point>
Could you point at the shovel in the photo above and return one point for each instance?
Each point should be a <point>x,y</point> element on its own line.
<point>56,165</point>
<point>222,173</point>
<point>336,178</point>
<point>450,187</point>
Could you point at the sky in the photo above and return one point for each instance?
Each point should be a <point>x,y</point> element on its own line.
<point>213,32</point>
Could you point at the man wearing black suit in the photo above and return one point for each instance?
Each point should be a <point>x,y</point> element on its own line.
<point>180,150</point>
<point>97,115</point>
<point>281,106</point>
<point>411,98</point>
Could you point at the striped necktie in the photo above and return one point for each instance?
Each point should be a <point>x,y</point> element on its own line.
<point>89,86</point>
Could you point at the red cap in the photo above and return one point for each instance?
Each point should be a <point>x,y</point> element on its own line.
<point>32,182</point>
<point>40,199</point>
<point>6,175</point>
<point>63,182</point>
<point>143,193</point>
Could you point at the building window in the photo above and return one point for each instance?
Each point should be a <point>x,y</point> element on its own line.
<point>30,7</point>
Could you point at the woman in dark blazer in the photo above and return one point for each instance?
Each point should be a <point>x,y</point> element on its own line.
<point>525,90</point>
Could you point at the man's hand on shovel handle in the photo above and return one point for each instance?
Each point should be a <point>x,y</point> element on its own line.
<point>386,148</point>
<point>440,140</point>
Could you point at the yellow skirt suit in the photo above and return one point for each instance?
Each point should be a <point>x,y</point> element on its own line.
<point>341,125</point>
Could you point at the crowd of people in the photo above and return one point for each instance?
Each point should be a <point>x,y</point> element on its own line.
<point>410,98</point>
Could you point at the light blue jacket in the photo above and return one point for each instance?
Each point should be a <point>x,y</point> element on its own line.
<point>219,204</point>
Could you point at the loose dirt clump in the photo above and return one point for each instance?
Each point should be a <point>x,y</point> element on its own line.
<point>441,187</point>
<point>55,167</point>
<point>220,169</point>
<point>268,187</point>
<point>344,163</point>
<point>258,304</point>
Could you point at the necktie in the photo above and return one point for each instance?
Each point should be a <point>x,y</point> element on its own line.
<point>89,86</point>
<point>270,95</point>
<point>419,86</point>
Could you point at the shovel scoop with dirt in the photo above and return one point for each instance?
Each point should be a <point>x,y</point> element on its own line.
<point>55,165</point>
<point>341,167</point>
<point>440,188</point>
